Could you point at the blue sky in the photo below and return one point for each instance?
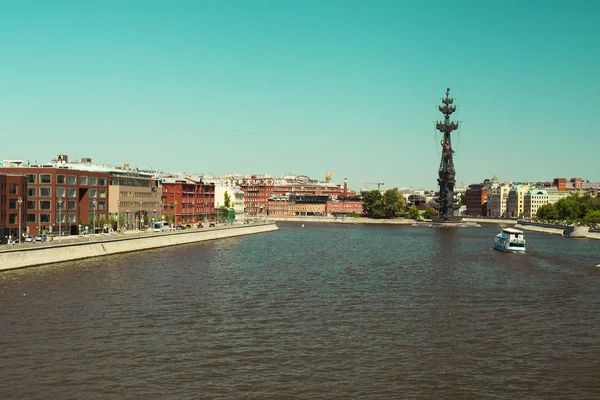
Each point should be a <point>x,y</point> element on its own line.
<point>304,87</point>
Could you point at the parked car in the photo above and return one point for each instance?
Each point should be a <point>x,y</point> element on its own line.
<point>29,239</point>
<point>41,238</point>
<point>3,240</point>
<point>188,226</point>
<point>212,224</point>
<point>179,227</point>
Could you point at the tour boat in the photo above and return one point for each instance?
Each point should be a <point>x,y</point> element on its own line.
<point>510,240</point>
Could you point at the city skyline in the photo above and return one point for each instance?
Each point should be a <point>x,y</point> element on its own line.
<point>304,87</point>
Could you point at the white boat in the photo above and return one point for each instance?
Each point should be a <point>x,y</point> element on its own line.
<point>510,240</point>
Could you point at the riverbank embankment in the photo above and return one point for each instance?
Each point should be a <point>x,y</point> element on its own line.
<point>96,246</point>
<point>345,220</point>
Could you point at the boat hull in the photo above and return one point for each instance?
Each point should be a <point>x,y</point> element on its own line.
<point>509,249</point>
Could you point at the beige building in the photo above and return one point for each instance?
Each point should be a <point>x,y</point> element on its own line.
<point>497,197</point>
<point>515,201</point>
<point>134,197</point>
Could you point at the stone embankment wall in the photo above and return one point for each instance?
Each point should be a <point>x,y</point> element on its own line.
<point>345,220</point>
<point>27,257</point>
<point>569,231</point>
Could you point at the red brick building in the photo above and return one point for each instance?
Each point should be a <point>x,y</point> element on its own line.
<point>186,200</point>
<point>257,192</point>
<point>561,184</point>
<point>476,199</point>
<point>59,198</point>
<point>13,204</point>
<point>346,207</point>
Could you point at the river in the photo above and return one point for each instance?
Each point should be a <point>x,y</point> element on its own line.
<point>324,311</point>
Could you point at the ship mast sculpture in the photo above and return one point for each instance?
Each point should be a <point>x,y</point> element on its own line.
<point>446,173</point>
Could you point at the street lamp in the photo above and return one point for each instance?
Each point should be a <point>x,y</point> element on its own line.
<point>19,202</point>
<point>94,221</point>
<point>127,219</point>
<point>59,203</point>
<point>140,215</point>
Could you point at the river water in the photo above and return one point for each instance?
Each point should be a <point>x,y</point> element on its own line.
<point>324,311</point>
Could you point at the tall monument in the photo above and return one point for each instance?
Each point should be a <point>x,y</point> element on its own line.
<point>446,173</point>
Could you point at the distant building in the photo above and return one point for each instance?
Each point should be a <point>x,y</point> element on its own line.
<point>560,184</point>
<point>13,204</point>
<point>515,202</point>
<point>476,199</point>
<point>532,200</point>
<point>61,196</point>
<point>497,196</point>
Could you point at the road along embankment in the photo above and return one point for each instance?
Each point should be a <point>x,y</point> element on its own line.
<point>32,256</point>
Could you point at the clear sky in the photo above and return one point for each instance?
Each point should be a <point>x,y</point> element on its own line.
<point>305,87</point>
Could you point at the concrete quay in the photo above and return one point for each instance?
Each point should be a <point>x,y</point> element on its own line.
<point>345,220</point>
<point>29,255</point>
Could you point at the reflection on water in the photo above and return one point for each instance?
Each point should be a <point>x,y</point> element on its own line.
<point>324,311</point>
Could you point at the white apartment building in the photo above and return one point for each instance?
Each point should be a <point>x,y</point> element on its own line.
<point>497,197</point>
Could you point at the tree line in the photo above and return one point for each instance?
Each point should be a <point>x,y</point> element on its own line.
<point>390,204</point>
<point>572,209</point>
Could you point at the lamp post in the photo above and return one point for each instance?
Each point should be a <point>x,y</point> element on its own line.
<point>140,215</point>
<point>94,222</point>
<point>160,210</point>
<point>59,203</point>
<point>118,214</point>
<point>174,212</point>
<point>127,219</point>
<point>19,202</point>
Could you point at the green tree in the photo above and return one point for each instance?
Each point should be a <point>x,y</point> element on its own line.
<point>227,200</point>
<point>373,204</point>
<point>121,221</point>
<point>547,212</point>
<point>413,213</point>
<point>393,203</point>
<point>101,221</point>
<point>568,208</point>
<point>592,217</point>
<point>429,213</point>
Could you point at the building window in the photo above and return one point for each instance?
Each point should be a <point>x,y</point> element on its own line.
<point>61,192</point>
<point>72,205</point>
<point>12,204</point>
<point>93,181</point>
<point>61,218</point>
<point>12,218</point>
<point>31,178</point>
<point>12,188</point>
<point>44,204</point>
<point>44,218</point>
<point>31,192</point>
<point>31,218</point>
<point>101,205</point>
<point>102,193</point>
<point>72,192</point>
<point>83,180</point>
<point>60,179</point>
<point>93,193</point>
<point>45,178</point>
<point>102,181</point>
<point>45,191</point>
<point>31,204</point>
<point>91,206</point>
<point>72,217</point>
<point>91,217</point>
<point>72,180</point>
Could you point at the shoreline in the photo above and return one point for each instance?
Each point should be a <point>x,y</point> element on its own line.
<point>30,256</point>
